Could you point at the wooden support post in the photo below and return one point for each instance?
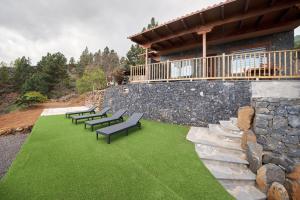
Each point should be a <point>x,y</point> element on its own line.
<point>168,70</point>
<point>204,53</point>
<point>131,76</point>
<point>146,64</point>
<point>223,66</point>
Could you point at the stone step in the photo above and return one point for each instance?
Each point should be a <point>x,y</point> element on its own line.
<point>233,121</point>
<point>219,156</point>
<point>227,125</point>
<point>200,135</point>
<point>234,172</point>
<point>224,163</point>
<point>218,130</point>
<point>239,154</point>
<point>237,182</point>
<point>246,192</point>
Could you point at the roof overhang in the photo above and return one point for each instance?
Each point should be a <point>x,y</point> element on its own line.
<point>224,22</point>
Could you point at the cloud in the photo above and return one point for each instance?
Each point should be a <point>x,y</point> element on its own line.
<point>32,28</point>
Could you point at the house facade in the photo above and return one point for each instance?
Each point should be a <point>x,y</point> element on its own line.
<point>237,39</point>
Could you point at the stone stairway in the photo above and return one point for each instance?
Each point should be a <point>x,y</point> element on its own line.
<point>219,148</point>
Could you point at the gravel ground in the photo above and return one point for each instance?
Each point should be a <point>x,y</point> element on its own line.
<point>9,147</point>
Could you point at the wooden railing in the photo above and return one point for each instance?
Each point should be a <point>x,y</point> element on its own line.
<point>283,64</point>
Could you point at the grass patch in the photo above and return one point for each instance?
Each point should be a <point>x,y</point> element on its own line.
<point>60,160</point>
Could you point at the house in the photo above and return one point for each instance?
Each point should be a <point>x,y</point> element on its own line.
<point>237,39</point>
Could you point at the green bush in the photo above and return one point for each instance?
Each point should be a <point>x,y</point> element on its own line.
<point>91,79</point>
<point>30,98</point>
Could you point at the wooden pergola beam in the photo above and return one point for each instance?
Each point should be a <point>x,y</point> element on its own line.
<point>283,15</point>
<point>147,38</point>
<point>202,18</point>
<point>246,6</point>
<point>251,14</point>
<point>259,20</point>
<point>241,24</point>
<point>184,24</point>
<point>156,33</point>
<point>169,29</point>
<point>222,12</point>
<point>195,37</point>
<point>239,36</point>
<point>272,2</point>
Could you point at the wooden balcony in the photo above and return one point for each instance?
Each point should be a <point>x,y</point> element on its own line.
<point>245,66</point>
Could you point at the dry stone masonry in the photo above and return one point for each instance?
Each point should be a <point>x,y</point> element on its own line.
<point>192,103</point>
<point>95,97</point>
<point>277,126</point>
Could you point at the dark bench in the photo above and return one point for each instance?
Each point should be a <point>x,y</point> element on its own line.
<point>116,117</point>
<point>102,113</point>
<point>90,110</point>
<point>133,121</point>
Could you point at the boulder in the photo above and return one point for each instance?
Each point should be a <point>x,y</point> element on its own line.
<point>281,160</point>
<point>2,132</point>
<point>295,174</point>
<point>248,136</point>
<point>19,129</point>
<point>245,116</point>
<point>254,153</point>
<point>293,188</point>
<point>267,174</point>
<point>277,192</point>
<point>294,121</point>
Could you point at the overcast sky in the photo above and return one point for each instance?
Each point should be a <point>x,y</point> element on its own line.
<point>32,28</point>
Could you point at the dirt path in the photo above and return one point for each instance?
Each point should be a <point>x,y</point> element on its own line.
<point>28,117</point>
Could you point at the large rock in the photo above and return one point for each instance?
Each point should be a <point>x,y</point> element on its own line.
<point>245,116</point>
<point>2,132</point>
<point>254,156</point>
<point>280,122</point>
<point>280,160</point>
<point>294,121</point>
<point>293,188</point>
<point>268,174</point>
<point>248,136</point>
<point>295,174</point>
<point>277,192</point>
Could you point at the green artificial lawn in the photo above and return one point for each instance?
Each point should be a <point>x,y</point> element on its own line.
<point>61,160</point>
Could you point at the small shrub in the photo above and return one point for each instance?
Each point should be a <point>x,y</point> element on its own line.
<point>30,98</point>
<point>118,75</point>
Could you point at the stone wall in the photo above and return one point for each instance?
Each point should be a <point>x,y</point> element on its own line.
<point>95,98</point>
<point>277,125</point>
<point>191,103</point>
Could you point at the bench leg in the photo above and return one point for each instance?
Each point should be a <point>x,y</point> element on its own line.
<point>97,136</point>
<point>92,128</point>
<point>84,125</point>
<point>108,139</point>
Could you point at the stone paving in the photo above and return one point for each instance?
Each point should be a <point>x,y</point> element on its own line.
<point>61,111</point>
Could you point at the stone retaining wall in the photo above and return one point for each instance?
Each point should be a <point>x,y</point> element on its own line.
<point>277,125</point>
<point>192,103</point>
<point>95,98</point>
